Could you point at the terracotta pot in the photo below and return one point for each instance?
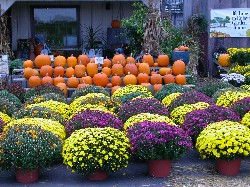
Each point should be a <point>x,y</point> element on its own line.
<point>99,175</point>
<point>228,168</point>
<point>159,168</point>
<point>27,176</point>
<point>116,24</point>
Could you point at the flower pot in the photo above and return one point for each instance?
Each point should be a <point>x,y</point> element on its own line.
<point>228,168</point>
<point>27,176</point>
<point>159,168</point>
<point>99,175</point>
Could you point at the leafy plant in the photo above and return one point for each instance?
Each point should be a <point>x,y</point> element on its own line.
<point>241,58</point>
<point>241,107</point>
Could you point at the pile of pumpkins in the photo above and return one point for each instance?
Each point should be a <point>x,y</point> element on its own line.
<point>76,72</point>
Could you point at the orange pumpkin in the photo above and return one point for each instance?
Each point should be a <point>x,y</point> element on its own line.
<point>81,85</point>
<point>73,82</point>
<point>92,69</point>
<point>163,60</point>
<point>63,87</point>
<point>58,80</point>
<point>182,48</point>
<point>107,63</point>
<point>130,79</point>
<point>46,70</point>
<point>60,61</point>
<point>130,59</point>
<point>119,58</point>
<point>59,71</point>
<point>36,72</point>
<point>109,85</point>
<point>28,72</point>
<point>47,80</point>
<point>100,79</point>
<point>146,84</point>
<point>157,87</point>
<point>147,58</point>
<point>71,61</point>
<point>86,80</point>
<point>180,79</point>
<point>144,68</point>
<point>34,80</point>
<point>143,78</point>
<point>107,71</point>
<point>224,60</point>
<point>117,69</point>
<point>168,78</point>
<point>156,79</point>
<point>28,63</point>
<point>80,70</point>
<point>179,67</point>
<point>164,71</point>
<point>156,64</point>
<point>132,68</point>
<point>116,80</point>
<point>114,89</point>
<point>83,58</point>
<point>70,72</point>
<point>42,60</point>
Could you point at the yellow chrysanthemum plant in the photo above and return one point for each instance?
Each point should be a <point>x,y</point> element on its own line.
<point>246,120</point>
<point>169,98</point>
<point>91,149</point>
<point>130,89</point>
<point>147,117</point>
<point>225,140</point>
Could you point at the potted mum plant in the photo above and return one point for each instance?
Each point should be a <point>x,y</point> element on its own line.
<point>227,142</point>
<point>96,152</point>
<point>158,143</point>
<point>26,149</point>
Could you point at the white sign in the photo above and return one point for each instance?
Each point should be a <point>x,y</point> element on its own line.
<point>99,60</point>
<point>4,68</point>
<point>5,58</point>
<point>230,22</point>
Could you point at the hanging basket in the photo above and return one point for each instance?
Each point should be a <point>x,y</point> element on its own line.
<point>159,168</point>
<point>27,176</point>
<point>228,168</point>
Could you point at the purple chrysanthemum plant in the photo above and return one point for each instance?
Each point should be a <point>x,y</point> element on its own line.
<point>158,140</point>
<point>93,119</point>
<point>190,98</point>
<point>141,105</point>
<point>197,120</point>
<point>241,107</point>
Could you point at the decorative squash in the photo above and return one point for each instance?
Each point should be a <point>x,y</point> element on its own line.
<point>100,79</point>
<point>107,63</point>
<point>80,70</point>
<point>117,69</point>
<point>130,79</point>
<point>132,68</point>
<point>107,71</point>
<point>157,87</point>
<point>130,59</point>
<point>60,61</point>
<point>42,60</point>
<point>156,79</point>
<point>86,80</point>
<point>28,64</point>
<point>28,72</point>
<point>71,61</point>
<point>46,70</point>
<point>144,68</point>
<point>114,89</point>
<point>63,87</point>
<point>109,85</point>
<point>164,71</point>
<point>163,60</point>
<point>180,79</point>
<point>59,71</point>
<point>147,58</point>
<point>116,80</point>
<point>83,58</point>
<point>47,80</point>
<point>179,67</point>
<point>224,60</point>
<point>168,78</point>
<point>143,78</point>
<point>92,69</point>
<point>58,80</point>
<point>34,80</point>
<point>70,72</point>
<point>73,82</point>
<point>119,58</point>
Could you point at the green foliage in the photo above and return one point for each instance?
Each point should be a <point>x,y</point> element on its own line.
<point>15,64</point>
<point>4,94</point>
<point>241,58</point>
<point>134,27</point>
